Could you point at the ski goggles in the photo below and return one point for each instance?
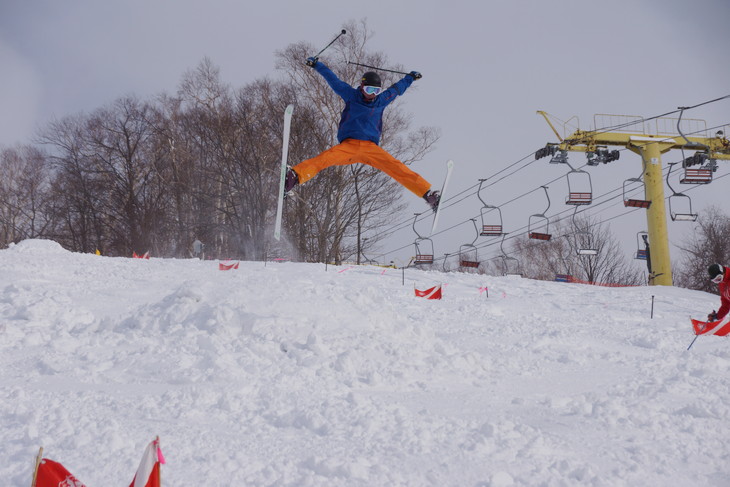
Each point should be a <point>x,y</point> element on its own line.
<point>372,90</point>
<point>718,278</point>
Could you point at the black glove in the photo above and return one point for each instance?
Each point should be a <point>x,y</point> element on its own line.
<point>712,316</point>
<point>311,61</point>
<point>415,75</point>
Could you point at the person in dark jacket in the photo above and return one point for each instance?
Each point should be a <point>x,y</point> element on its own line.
<point>361,124</point>
<point>720,275</point>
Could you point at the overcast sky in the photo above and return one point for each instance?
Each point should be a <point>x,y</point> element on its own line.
<point>487,66</point>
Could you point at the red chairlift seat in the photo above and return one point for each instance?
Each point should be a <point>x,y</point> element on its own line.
<point>696,176</point>
<point>634,203</point>
<point>540,236</point>
<point>579,199</point>
<point>491,231</point>
<point>423,259</point>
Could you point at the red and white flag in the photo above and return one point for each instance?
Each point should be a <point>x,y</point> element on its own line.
<point>53,474</point>
<point>148,473</point>
<point>227,265</point>
<point>431,293</point>
<point>146,255</point>
<point>720,327</point>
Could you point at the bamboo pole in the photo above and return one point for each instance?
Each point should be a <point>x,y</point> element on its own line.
<point>37,464</point>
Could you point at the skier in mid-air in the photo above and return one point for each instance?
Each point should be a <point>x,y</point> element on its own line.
<point>361,125</point>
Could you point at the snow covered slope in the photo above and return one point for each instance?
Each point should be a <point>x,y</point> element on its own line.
<point>305,375</point>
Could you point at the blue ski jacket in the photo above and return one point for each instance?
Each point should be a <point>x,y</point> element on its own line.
<point>361,119</point>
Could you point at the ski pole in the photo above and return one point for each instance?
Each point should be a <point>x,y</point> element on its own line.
<point>375,67</point>
<point>333,41</point>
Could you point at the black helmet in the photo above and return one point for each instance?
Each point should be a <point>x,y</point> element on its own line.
<point>715,270</point>
<point>371,78</point>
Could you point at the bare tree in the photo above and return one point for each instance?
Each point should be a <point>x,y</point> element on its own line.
<point>24,194</point>
<point>119,140</point>
<point>76,187</point>
<point>708,244</point>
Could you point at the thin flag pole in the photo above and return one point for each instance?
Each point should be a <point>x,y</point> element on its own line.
<point>37,464</point>
<point>159,465</point>
<point>696,335</point>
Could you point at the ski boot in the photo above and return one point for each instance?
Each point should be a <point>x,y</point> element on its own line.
<point>291,181</point>
<point>433,198</point>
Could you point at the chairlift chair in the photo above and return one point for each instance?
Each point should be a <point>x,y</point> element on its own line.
<point>641,253</point>
<point>424,246</point>
<point>491,217</point>
<point>699,175</point>
<point>510,265</point>
<point>684,213</point>
<point>680,205</point>
<point>702,174</point>
<point>580,189</point>
<point>582,239</point>
<point>424,251</point>
<point>634,202</point>
<point>537,219</point>
<point>468,256</point>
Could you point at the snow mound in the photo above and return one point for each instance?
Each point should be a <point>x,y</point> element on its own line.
<point>305,375</point>
<point>38,246</point>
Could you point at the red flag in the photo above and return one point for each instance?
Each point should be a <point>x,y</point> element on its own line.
<point>53,474</point>
<point>148,472</point>
<point>228,265</point>
<point>720,327</point>
<point>431,293</point>
<point>146,255</point>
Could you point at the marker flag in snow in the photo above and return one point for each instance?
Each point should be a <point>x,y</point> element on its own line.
<point>431,293</point>
<point>148,473</point>
<point>53,474</point>
<point>228,265</point>
<point>146,255</point>
<point>720,327</point>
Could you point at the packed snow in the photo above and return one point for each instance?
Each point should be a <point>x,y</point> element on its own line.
<point>294,374</point>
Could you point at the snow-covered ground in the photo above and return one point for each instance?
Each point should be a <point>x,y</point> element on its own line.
<point>300,374</point>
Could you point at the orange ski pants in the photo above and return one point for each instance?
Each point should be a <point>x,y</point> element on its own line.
<point>351,151</point>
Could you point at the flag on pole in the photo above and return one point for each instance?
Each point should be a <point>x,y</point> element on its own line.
<point>720,327</point>
<point>148,473</point>
<point>53,474</point>
<point>227,265</point>
<point>431,293</point>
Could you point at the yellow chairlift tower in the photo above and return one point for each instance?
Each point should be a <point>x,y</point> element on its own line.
<point>650,141</point>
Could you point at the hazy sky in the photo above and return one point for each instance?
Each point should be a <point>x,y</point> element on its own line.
<point>487,67</point>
